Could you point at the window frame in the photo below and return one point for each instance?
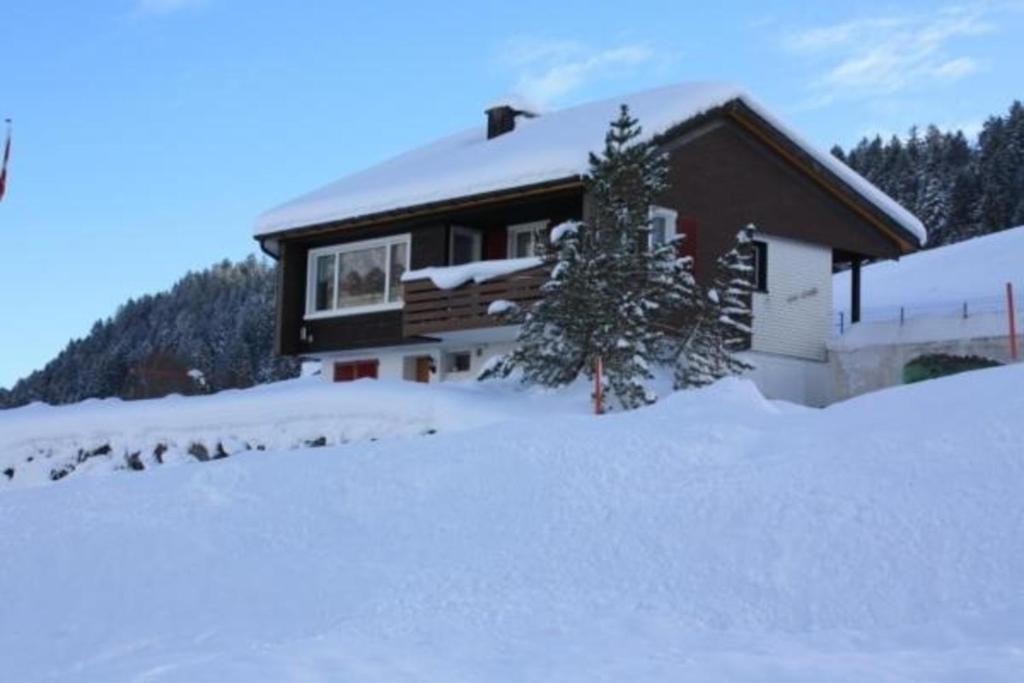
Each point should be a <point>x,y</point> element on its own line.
<point>533,228</point>
<point>671,217</point>
<point>337,250</point>
<point>475,235</point>
<point>760,265</point>
<point>450,362</point>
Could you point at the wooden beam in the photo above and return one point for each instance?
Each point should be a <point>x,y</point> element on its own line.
<point>855,290</point>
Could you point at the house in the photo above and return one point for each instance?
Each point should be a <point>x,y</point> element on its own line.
<point>389,272</point>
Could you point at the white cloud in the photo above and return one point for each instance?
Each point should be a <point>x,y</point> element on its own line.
<point>886,55</point>
<point>165,6</point>
<point>547,70</point>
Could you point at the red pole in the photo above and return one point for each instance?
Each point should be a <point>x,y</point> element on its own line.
<point>1013,322</point>
<point>598,367</point>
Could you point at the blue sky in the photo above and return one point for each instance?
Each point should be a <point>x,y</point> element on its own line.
<point>149,133</point>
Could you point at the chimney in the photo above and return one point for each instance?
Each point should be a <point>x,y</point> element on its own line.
<point>500,120</point>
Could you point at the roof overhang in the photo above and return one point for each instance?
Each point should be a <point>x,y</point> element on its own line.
<point>788,149</point>
<point>269,242</point>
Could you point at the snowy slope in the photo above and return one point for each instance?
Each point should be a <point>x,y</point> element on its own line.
<point>40,444</point>
<point>714,536</point>
<point>552,146</point>
<point>975,269</point>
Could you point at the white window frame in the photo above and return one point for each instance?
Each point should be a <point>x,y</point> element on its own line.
<point>671,217</point>
<point>535,228</point>
<point>475,235</point>
<point>336,250</point>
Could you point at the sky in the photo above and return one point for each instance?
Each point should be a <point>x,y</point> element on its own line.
<point>149,134</point>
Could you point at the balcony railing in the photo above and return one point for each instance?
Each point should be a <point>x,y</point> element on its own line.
<point>431,310</point>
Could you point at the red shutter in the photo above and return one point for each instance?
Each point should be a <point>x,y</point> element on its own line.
<point>496,243</point>
<point>346,372</point>
<point>367,368</point>
<point>685,225</point>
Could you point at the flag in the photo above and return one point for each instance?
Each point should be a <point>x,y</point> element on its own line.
<point>3,166</point>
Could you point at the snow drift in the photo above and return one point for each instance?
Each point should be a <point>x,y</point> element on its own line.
<point>714,536</point>
<point>40,443</point>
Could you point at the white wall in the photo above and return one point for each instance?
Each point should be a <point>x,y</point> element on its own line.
<point>793,317</point>
<point>397,362</point>
<point>787,378</point>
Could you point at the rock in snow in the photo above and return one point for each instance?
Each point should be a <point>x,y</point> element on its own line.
<point>713,536</point>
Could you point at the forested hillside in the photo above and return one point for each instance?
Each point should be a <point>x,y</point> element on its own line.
<point>213,330</point>
<point>959,188</point>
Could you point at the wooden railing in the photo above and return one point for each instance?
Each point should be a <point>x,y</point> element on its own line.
<point>430,310</point>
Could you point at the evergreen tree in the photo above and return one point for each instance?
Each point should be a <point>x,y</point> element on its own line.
<point>710,340</point>
<point>958,188</point>
<point>610,292</point>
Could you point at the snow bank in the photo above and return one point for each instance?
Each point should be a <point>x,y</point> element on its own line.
<point>714,536</point>
<point>450,277</point>
<point>41,443</point>
<point>976,269</point>
<point>553,146</point>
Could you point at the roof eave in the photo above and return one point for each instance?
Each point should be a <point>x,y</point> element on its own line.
<point>746,116</point>
<point>421,210</point>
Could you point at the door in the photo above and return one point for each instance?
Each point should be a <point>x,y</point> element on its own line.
<point>423,365</point>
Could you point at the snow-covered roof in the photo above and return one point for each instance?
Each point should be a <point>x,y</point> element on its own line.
<point>550,147</point>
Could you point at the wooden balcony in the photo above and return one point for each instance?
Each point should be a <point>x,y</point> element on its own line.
<point>430,310</point>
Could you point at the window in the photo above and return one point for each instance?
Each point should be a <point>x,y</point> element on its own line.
<point>760,266</point>
<point>526,239</point>
<point>360,277</point>
<point>464,246</point>
<point>663,227</point>
<point>358,369</point>
<point>458,362</point>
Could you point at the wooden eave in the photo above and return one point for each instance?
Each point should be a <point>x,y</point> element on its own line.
<point>799,158</point>
<point>428,209</point>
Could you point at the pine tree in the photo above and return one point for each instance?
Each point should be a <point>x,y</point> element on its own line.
<point>958,188</point>
<point>721,328</point>
<point>609,293</point>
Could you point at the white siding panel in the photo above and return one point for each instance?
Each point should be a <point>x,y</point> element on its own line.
<point>792,318</point>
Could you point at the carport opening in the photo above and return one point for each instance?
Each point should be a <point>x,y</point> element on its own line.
<point>935,365</point>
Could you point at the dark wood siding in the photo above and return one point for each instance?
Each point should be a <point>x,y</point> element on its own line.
<point>429,247</point>
<point>291,294</point>
<point>723,178</point>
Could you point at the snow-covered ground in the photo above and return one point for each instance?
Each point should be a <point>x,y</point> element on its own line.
<point>955,292</point>
<point>40,444</point>
<point>941,279</point>
<point>714,536</point>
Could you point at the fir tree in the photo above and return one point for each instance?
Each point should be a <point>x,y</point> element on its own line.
<point>958,188</point>
<point>710,341</point>
<point>609,292</point>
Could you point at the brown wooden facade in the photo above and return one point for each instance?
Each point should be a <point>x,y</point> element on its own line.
<point>728,169</point>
